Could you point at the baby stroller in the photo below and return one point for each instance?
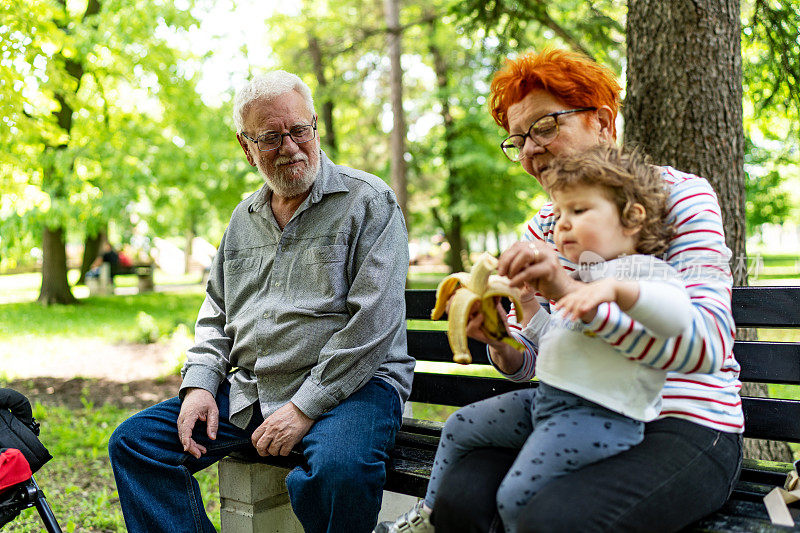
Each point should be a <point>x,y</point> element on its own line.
<point>21,454</point>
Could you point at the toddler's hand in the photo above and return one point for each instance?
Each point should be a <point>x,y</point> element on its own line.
<point>582,303</point>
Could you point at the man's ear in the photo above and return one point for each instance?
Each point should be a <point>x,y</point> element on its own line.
<point>243,144</point>
<point>608,129</point>
<point>635,215</point>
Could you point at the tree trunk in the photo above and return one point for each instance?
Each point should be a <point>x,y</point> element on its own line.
<point>398,138</point>
<point>187,255</point>
<point>330,143</point>
<point>91,248</point>
<point>455,237</point>
<point>451,222</point>
<point>684,97</point>
<point>55,288</point>
<point>684,108</point>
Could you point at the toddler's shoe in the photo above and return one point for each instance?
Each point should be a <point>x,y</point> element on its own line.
<point>416,520</point>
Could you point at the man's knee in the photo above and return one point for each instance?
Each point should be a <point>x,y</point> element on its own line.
<point>136,434</point>
<point>121,439</point>
<point>339,474</point>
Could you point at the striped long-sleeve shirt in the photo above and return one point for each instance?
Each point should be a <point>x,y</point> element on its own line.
<point>703,377</point>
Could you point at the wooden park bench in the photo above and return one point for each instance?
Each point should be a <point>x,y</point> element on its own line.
<point>104,282</point>
<point>253,493</point>
<point>143,272</point>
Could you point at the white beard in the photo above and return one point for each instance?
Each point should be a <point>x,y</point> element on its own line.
<point>290,182</point>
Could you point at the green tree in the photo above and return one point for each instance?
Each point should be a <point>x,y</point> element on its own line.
<point>771,72</point>
<point>96,80</point>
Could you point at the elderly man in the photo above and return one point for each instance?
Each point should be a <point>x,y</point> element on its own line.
<point>300,341</point>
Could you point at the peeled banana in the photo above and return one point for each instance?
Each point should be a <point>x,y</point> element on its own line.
<point>479,285</point>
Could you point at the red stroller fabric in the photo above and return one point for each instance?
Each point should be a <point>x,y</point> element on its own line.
<point>14,468</point>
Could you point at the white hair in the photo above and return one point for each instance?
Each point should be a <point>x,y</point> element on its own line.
<point>269,86</point>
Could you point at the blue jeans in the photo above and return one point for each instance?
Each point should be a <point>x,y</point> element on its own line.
<point>338,490</point>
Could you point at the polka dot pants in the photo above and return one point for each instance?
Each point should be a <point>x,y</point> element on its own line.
<point>555,432</point>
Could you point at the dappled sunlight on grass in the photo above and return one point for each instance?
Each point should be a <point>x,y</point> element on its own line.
<point>25,287</point>
<point>113,318</point>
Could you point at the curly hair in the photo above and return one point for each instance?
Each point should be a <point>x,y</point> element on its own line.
<point>628,178</point>
<point>573,78</point>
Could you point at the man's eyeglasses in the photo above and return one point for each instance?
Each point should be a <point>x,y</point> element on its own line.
<point>542,132</point>
<point>273,140</point>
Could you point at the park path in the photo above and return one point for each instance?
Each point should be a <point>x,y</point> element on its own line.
<point>88,358</point>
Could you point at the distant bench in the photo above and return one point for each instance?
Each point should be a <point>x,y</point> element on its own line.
<point>253,493</point>
<point>143,272</point>
<point>103,283</point>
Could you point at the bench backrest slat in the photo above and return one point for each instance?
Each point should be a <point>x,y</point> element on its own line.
<point>769,418</point>
<point>764,362</point>
<point>768,362</point>
<point>767,307</point>
<point>419,304</point>
<point>433,346</point>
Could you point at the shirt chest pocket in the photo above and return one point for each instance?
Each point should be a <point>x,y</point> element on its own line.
<point>242,280</point>
<point>320,279</point>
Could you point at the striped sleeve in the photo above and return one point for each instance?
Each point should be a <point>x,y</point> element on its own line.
<point>699,254</point>
<point>539,228</point>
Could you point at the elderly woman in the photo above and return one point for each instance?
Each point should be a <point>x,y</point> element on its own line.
<point>556,103</point>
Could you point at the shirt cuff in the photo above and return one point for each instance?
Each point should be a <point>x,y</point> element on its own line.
<point>312,400</point>
<point>200,377</point>
<point>525,372</point>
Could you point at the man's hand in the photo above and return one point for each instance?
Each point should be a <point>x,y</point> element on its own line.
<point>537,265</point>
<point>279,433</point>
<point>198,404</point>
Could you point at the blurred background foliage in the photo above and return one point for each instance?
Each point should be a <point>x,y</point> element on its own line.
<point>116,113</point>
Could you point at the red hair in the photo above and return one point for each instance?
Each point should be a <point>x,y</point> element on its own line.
<point>573,78</point>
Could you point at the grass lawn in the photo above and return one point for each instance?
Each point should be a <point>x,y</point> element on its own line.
<point>25,287</point>
<point>78,481</point>
<point>114,318</point>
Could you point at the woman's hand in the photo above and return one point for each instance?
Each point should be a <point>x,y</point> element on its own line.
<point>504,356</point>
<point>537,265</point>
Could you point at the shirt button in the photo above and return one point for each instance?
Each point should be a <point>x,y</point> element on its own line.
<point>266,315</point>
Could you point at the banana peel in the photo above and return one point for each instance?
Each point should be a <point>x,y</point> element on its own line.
<point>479,285</point>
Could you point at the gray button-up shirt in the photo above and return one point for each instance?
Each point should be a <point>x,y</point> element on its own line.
<point>311,313</point>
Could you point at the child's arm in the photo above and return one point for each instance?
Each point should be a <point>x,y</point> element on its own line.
<point>662,306</point>
<point>582,303</point>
